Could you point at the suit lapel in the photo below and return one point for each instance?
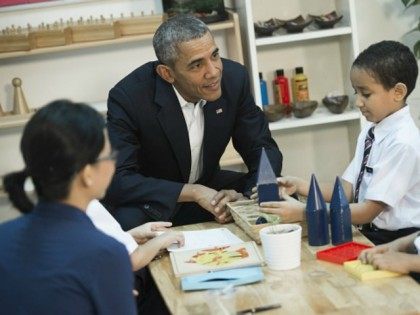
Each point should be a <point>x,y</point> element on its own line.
<point>173,124</point>
<point>215,124</point>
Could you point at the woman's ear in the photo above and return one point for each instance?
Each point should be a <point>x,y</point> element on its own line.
<point>165,73</point>
<point>400,91</point>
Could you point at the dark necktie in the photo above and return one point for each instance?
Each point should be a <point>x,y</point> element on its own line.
<point>370,137</point>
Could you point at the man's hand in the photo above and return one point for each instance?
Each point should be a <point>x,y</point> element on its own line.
<point>149,230</point>
<point>219,203</point>
<point>289,210</point>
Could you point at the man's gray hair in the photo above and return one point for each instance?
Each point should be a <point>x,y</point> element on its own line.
<point>176,30</point>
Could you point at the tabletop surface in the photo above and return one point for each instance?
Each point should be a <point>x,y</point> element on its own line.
<point>316,287</point>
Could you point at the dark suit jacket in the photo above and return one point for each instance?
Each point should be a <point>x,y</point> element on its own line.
<point>147,127</point>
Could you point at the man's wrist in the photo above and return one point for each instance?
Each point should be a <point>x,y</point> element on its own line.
<point>189,193</point>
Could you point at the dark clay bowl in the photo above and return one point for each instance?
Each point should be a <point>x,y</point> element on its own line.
<point>274,112</point>
<point>297,24</point>
<point>266,28</point>
<point>327,20</point>
<point>304,109</point>
<point>336,104</point>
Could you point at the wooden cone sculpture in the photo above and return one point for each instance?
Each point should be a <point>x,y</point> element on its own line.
<point>19,103</point>
<point>317,216</point>
<point>340,216</point>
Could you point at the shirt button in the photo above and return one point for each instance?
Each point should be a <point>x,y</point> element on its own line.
<point>146,206</point>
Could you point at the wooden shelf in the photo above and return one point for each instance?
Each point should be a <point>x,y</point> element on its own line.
<point>321,116</point>
<point>306,35</point>
<point>16,121</point>
<point>225,25</point>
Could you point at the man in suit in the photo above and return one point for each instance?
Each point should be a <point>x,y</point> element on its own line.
<point>171,121</point>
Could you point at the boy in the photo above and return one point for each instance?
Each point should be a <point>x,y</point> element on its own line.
<point>383,179</point>
<point>401,255</point>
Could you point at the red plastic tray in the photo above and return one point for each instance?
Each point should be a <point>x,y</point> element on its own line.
<point>341,253</point>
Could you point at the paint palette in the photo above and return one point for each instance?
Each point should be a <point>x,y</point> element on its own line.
<point>341,253</point>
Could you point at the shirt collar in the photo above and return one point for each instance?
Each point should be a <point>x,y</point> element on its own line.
<point>61,211</point>
<point>391,123</point>
<point>184,103</point>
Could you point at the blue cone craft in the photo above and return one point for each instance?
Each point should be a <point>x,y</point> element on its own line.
<point>267,182</point>
<point>317,216</point>
<point>340,216</point>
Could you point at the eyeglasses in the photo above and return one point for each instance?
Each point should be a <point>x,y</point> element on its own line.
<point>110,157</point>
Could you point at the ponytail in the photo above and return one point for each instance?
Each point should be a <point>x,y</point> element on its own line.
<point>14,186</point>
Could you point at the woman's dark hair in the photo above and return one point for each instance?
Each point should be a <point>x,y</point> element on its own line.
<point>58,141</point>
<point>389,62</point>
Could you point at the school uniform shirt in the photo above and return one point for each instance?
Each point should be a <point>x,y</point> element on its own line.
<point>54,261</point>
<point>392,173</point>
<point>106,223</point>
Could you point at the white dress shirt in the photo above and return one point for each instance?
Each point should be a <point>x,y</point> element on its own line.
<point>194,119</point>
<point>106,223</point>
<point>417,244</point>
<point>392,173</point>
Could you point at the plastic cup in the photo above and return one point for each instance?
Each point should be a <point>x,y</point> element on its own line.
<point>282,245</point>
<point>222,301</point>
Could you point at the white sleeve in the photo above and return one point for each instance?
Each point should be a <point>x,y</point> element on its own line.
<point>350,174</point>
<point>106,223</point>
<point>392,175</point>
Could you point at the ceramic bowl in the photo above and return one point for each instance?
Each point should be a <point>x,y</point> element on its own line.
<point>266,28</point>
<point>327,20</point>
<point>336,104</point>
<point>274,112</point>
<point>297,24</point>
<point>304,109</point>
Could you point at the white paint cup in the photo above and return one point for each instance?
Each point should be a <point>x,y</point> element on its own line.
<point>281,246</point>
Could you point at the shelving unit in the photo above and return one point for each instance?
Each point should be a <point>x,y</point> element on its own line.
<point>258,50</point>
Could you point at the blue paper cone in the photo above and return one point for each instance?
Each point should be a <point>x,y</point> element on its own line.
<point>316,216</point>
<point>340,216</point>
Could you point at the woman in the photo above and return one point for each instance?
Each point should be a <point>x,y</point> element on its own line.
<point>53,260</point>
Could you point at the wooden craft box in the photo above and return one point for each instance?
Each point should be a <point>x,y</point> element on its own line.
<point>50,38</point>
<point>139,25</point>
<point>246,212</point>
<point>16,42</point>
<point>93,32</point>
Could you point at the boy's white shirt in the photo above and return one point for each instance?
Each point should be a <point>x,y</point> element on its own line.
<point>106,223</point>
<point>395,161</point>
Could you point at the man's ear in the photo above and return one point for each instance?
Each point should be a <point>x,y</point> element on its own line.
<point>165,73</point>
<point>400,91</point>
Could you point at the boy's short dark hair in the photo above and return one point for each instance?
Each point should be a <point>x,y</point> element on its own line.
<point>389,62</point>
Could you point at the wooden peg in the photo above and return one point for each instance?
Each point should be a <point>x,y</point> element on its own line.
<point>19,102</point>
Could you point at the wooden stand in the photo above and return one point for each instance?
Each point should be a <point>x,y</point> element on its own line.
<point>94,32</point>
<point>138,25</point>
<point>50,38</point>
<point>16,42</point>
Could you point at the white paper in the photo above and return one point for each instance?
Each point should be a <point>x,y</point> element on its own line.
<point>206,238</point>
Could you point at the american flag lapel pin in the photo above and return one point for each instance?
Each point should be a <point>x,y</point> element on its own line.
<point>219,111</point>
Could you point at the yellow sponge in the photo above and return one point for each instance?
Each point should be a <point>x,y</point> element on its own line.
<point>367,272</point>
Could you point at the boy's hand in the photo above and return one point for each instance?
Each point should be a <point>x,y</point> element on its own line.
<point>289,210</point>
<point>392,261</point>
<point>168,238</point>
<point>366,256</point>
<point>149,230</point>
<point>289,184</point>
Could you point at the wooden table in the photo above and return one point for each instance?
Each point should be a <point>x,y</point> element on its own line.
<point>316,287</point>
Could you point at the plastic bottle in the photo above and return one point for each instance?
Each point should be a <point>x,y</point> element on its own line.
<point>300,86</point>
<point>340,216</point>
<point>264,94</point>
<point>281,90</point>
<point>316,216</point>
